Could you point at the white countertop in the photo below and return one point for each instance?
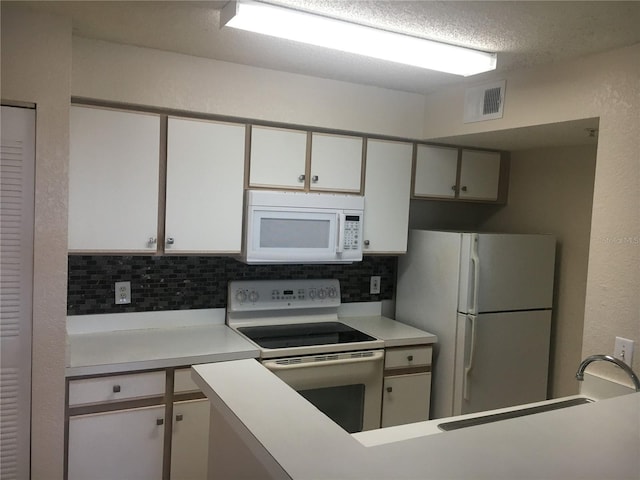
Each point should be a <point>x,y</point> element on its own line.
<point>121,343</point>
<point>598,440</point>
<point>392,333</point>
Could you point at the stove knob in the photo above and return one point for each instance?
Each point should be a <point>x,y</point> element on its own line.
<point>322,293</point>
<point>241,296</point>
<point>312,293</point>
<point>253,296</point>
<point>332,293</point>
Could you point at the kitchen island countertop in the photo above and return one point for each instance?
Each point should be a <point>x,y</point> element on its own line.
<point>292,439</point>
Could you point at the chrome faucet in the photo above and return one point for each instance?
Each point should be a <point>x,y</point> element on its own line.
<point>608,358</point>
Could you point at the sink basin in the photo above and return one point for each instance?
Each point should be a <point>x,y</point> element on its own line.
<point>496,417</point>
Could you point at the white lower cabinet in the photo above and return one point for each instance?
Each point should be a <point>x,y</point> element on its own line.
<point>117,427</point>
<point>190,440</point>
<point>123,444</point>
<point>405,399</point>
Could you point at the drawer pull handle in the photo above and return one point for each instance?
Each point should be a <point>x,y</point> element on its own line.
<point>389,389</point>
<point>410,358</point>
<point>179,417</point>
<point>116,389</point>
<point>160,421</point>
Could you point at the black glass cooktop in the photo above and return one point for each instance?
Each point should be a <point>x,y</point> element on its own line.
<point>304,334</point>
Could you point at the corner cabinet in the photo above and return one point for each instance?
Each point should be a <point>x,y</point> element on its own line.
<point>113,180</point>
<point>451,173</point>
<point>387,195</point>
<point>205,186</point>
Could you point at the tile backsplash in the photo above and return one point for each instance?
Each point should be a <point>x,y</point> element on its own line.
<point>193,282</point>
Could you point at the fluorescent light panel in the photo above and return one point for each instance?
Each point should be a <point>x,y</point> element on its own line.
<point>359,39</point>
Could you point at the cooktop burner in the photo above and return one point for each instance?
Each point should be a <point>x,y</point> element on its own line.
<point>304,334</point>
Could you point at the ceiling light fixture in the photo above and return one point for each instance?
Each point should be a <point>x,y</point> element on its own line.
<point>353,38</point>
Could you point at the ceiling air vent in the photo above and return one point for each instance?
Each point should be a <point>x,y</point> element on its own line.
<point>484,102</point>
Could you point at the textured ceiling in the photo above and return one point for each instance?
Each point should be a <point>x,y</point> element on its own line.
<point>524,34</point>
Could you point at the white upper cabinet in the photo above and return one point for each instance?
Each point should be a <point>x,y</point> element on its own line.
<point>436,171</point>
<point>479,175</point>
<point>278,158</point>
<point>387,194</point>
<point>336,163</point>
<point>205,184</point>
<point>113,180</point>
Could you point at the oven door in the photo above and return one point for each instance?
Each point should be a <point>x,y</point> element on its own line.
<point>347,387</point>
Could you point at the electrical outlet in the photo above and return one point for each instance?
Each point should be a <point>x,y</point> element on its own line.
<point>123,293</point>
<point>623,350</point>
<point>374,284</point>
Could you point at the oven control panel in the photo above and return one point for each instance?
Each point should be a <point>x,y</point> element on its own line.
<point>256,295</point>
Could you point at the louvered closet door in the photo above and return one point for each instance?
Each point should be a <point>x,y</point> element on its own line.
<point>17,159</point>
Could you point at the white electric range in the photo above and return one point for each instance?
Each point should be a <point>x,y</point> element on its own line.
<point>296,326</point>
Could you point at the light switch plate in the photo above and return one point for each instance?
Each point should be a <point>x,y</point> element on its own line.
<point>374,285</point>
<point>623,350</point>
<point>123,293</point>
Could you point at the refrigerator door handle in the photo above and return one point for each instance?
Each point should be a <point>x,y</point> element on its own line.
<point>469,366</point>
<point>475,262</point>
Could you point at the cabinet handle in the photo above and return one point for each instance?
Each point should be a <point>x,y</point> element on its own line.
<point>301,178</point>
<point>389,389</point>
<point>159,421</point>
<point>453,187</point>
<point>314,179</point>
<point>179,417</point>
<point>152,241</point>
<point>116,389</point>
<point>366,243</point>
<point>410,358</point>
<point>170,241</point>
<point>464,189</point>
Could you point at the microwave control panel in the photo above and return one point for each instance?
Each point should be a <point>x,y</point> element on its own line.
<point>352,232</point>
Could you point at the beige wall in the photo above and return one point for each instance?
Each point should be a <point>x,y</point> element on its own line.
<point>604,86</point>
<point>144,76</point>
<point>36,68</point>
<point>551,191</point>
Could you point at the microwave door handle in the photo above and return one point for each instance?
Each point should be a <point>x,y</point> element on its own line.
<point>340,239</point>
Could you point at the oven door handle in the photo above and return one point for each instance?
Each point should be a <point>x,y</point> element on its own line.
<point>274,366</point>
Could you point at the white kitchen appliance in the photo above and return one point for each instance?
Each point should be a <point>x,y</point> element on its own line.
<point>301,227</point>
<point>295,324</point>
<point>488,298</point>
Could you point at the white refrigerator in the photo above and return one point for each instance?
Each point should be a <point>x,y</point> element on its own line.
<point>488,298</point>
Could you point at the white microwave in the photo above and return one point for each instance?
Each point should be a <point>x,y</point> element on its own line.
<point>301,227</point>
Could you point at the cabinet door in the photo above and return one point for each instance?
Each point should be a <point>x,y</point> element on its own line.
<point>120,444</point>
<point>406,399</point>
<point>113,180</point>
<point>205,183</point>
<point>278,158</point>
<point>436,171</point>
<point>336,163</point>
<point>387,192</point>
<point>479,175</point>
<point>190,443</point>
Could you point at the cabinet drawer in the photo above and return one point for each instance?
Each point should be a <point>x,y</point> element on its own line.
<point>116,388</point>
<point>182,382</point>
<point>407,357</point>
